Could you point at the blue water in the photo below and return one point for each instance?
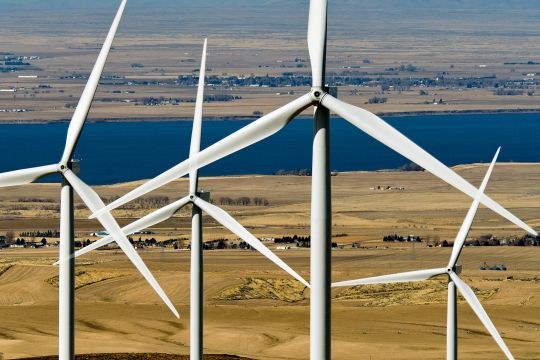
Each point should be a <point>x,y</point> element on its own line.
<point>118,152</point>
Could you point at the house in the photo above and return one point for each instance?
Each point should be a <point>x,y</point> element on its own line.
<point>100,234</point>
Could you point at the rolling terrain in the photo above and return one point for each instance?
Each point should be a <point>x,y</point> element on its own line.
<point>253,309</point>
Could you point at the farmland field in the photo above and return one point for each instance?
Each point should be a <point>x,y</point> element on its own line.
<point>252,308</point>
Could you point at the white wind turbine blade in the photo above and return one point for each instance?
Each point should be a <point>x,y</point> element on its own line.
<point>197,121</point>
<point>26,176</point>
<point>248,135</point>
<point>149,220</point>
<point>471,298</point>
<point>93,246</point>
<point>94,202</point>
<point>81,112</point>
<point>377,128</point>
<point>227,221</point>
<point>394,278</point>
<point>469,218</point>
<point>317,40</point>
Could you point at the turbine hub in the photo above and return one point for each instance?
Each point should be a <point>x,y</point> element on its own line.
<point>62,168</point>
<point>317,94</point>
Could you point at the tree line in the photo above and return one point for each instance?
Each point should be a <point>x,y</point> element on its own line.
<point>386,80</point>
<point>42,234</point>
<point>155,101</point>
<point>35,200</point>
<point>145,202</point>
<point>490,240</point>
<point>244,201</point>
<point>297,172</point>
<point>400,238</point>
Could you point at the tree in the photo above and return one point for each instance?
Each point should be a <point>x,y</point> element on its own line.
<point>221,245</point>
<point>244,200</point>
<point>411,167</point>
<point>179,244</point>
<point>377,100</point>
<point>10,236</point>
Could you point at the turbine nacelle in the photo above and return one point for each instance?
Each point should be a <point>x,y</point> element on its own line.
<point>457,269</point>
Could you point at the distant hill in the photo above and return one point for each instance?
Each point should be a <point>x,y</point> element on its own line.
<point>366,4</point>
<point>358,18</point>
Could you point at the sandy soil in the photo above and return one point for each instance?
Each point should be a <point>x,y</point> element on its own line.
<point>269,318</point>
<point>135,356</point>
<point>427,207</point>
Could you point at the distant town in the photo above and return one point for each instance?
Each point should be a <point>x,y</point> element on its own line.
<point>390,79</point>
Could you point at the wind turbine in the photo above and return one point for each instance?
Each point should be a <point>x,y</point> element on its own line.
<point>321,192</point>
<point>452,270</point>
<point>199,205</point>
<point>70,183</point>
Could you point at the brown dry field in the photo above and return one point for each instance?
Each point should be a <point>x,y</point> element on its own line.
<point>252,309</point>
<point>140,356</point>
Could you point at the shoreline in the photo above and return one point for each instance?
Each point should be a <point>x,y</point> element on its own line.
<point>254,175</point>
<point>252,117</point>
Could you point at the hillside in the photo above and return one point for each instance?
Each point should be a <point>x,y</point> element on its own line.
<point>364,4</point>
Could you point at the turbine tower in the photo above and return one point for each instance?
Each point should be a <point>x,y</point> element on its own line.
<point>321,197</point>
<point>199,205</point>
<point>71,182</point>
<point>452,270</point>
<point>321,205</point>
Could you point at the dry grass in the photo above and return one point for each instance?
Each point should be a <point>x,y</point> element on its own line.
<point>148,356</point>
<point>418,293</point>
<point>84,278</point>
<point>428,207</point>
<point>253,309</point>
<point>264,289</point>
